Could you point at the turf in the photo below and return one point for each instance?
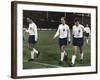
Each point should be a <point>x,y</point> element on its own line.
<point>49,48</point>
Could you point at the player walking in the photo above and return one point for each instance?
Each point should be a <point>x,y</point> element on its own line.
<point>87,33</point>
<point>33,37</point>
<point>64,34</point>
<point>77,32</point>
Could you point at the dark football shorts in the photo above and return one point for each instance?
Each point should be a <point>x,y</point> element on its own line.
<point>31,39</point>
<point>62,41</point>
<point>86,34</point>
<point>77,41</point>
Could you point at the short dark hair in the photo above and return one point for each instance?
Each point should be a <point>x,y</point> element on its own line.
<point>29,18</point>
<point>76,19</point>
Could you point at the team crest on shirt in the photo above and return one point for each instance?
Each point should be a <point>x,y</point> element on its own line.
<point>30,28</point>
<point>63,29</point>
<point>79,31</point>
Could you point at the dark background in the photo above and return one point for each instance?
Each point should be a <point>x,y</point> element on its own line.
<point>51,20</point>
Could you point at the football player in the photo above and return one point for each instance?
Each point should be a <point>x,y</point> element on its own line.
<point>87,33</point>
<point>64,35</point>
<point>77,32</point>
<point>33,37</point>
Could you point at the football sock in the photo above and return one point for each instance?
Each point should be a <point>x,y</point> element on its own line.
<point>73,59</point>
<point>62,56</point>
<point>81,56</point>
<point>32,54</point>
<point>65,53</point>
<point>34,50</point>
<point>87,40</point>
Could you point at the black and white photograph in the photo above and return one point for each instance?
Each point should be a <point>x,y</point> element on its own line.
<point>53,39</point>
<point>43,49</point>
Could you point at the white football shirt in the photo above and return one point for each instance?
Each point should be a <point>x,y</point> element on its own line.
<point>32,30</point>
<point>87,30</point>
<point>63,31</point>
<point>77,31</point>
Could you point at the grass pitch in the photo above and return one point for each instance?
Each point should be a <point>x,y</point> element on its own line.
<point>50,56</point>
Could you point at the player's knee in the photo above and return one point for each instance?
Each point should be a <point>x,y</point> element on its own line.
<point>80,50</point>
<point>62,49</point>
<point>74,50</point>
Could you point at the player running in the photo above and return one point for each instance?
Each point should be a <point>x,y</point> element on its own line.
<point>77,32</point>
<point>64,34</point>
<point>87,33</point>
<point>33,37</point>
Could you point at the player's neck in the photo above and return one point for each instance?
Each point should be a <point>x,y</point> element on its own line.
<point>77,25</point>
<point>30,23</point>
<point>63,24</point>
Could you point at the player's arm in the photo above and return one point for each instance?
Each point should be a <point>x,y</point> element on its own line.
<point>84,30</point>
<point>89,32</point>
<point>57,33</point>
<point>68,35</point>
<point>27,30</point>
<point>72,32</point>
<point>35,31</point>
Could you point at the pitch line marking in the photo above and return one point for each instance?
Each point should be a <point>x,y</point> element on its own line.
<point>44,64</point>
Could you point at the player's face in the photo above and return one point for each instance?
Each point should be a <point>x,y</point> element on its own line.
<point>62,21</point>
<point>28,20</point>
<point>87,25</point>
<point>77,23</point>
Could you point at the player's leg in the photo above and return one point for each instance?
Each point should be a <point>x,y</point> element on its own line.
<point>34,49</point>
<point>75,46</point>
<point>74,55</point>
<point>66,56</point>
<point>62,52</point>
<point>81,49</point>
<point>81,54</point>
<point>87,38</point>
<point>36,52</point>
<point>31,44</point>
<point>63,44</point>
<point>31,52</point>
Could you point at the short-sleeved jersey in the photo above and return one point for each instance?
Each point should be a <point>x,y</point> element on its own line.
<point>87,29</point>
<point>62,31</point>
<point>32,30</point>
<point>77,31</point>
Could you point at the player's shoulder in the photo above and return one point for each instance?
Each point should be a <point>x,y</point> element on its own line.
<point>85,28</point>
<point>60,24</point>
<point>67,25</point>
<point>33,23</point>
<point>81,25</point>
<point>73,26</point>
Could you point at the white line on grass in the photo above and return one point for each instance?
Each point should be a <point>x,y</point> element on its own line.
<point>44,64</point>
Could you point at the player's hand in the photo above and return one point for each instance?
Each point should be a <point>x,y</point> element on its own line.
<point>36,41</point>
<point>26,31</point>
<point>53,37</point>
